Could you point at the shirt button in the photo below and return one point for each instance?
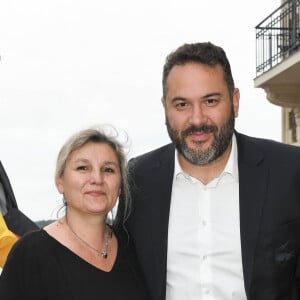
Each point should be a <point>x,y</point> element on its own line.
<point>204,223</point>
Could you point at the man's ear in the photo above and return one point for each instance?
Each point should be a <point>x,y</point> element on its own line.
<point>236,101</point>
<point>163,101</point>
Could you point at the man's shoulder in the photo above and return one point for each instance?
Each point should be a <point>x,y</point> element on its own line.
<point>155,152</point>
<point>163,153</point>
<point>265,142</point>
<point>271,148</point>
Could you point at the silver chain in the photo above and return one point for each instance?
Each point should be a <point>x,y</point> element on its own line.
<point>103,252</point>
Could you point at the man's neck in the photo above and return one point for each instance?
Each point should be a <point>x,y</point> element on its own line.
<point>208,172</point>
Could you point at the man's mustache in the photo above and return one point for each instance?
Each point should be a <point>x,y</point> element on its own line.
<point>202,128</point>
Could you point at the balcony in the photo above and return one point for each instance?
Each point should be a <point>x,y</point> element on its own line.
<point>278,55</point>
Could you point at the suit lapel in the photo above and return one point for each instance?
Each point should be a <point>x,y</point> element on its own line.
<point>252,190</point>
<point>163,178</point>
<point>154,210</point>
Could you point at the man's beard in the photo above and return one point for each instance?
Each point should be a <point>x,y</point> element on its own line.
<point>198,156</point>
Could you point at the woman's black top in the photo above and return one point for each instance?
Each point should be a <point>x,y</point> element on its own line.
<point>39,267</point>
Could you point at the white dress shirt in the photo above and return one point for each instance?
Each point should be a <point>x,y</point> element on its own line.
<point>204,247</point>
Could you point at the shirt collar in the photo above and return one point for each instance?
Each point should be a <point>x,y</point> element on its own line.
<point>232,163</point>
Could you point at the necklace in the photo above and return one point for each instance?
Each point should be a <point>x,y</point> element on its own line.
<point>108,235</point>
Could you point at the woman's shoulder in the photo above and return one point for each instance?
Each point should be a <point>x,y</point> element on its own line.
<point>30,241</point>
<point>32,236</point>
<point>27,249</point>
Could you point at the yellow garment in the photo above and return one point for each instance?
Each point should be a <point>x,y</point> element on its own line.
<point>7,239</point>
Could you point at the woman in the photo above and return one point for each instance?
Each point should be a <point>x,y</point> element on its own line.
<point>79,256</point>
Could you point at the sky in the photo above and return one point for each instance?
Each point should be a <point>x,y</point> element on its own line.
<point>68,65</point>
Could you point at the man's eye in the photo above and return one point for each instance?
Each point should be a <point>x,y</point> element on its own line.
<point>181,104</point>
<point>211,102</point>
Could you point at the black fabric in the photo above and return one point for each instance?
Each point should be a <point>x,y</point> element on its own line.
<point>269,194</point>
<point>18,223</point>
<point>10,197</point>
<point>39,267</point>
<point>15,220</point>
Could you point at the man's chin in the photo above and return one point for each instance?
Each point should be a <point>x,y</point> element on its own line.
<point>198,145</point>
<point>197,150</point>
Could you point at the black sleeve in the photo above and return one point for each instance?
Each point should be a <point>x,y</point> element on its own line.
<point>11,279</point>
<point>20,277</point>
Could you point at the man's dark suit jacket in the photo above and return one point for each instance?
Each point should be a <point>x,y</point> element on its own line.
<point>269,191</point>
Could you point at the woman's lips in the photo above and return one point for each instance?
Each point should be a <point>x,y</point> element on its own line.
<point>95,193</point>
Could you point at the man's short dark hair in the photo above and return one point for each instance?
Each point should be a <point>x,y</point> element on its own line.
<point>204,53</point>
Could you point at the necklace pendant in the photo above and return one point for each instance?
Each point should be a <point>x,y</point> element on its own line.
<point>104,254</point>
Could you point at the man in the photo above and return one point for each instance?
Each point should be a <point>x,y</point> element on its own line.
<point>216,214</point>
<point>13,223</point>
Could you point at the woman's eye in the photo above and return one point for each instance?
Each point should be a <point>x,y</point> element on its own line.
<point>109,170</point>
<point>82,168</point>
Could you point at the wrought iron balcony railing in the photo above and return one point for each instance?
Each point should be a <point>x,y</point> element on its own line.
<point>277,36</point>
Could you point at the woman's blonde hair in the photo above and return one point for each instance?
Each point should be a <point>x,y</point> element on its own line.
<point>97,135</point>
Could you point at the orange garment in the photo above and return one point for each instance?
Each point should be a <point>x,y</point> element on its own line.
<point>7,239</point>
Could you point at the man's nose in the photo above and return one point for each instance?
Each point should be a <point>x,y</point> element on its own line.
<point>198,115</point>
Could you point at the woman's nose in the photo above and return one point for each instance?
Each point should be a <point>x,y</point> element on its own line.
<point>96,177</point>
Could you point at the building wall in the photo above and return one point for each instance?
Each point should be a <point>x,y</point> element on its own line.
<point>291,125</point>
